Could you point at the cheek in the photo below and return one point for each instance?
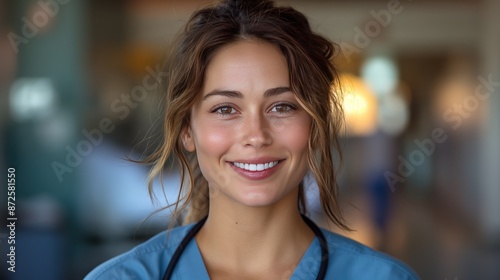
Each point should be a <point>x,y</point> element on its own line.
<point>295,134</point>
<point>211,141</point>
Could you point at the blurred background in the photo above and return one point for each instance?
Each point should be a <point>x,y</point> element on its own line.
<point>420,177</point>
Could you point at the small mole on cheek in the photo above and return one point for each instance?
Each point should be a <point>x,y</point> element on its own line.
<point>236,222</point>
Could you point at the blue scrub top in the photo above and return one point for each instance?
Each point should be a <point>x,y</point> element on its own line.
<point>348,259</point>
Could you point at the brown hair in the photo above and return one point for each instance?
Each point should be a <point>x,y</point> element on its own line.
<point>312,77</point>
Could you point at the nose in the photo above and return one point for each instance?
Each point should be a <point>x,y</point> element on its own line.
<point>257,132</point>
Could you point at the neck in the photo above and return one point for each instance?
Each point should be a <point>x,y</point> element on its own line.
<point>239,238</point>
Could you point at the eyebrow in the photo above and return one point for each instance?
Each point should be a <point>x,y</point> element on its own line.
<point>236,94</point>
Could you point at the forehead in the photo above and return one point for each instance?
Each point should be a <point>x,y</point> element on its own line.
<point>249,63</point>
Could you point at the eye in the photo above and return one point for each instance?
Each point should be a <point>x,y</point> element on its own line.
<point>282,108</point>
<point>224,110</point>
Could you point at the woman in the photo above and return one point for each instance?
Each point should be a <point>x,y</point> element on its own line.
<point>249,113</point>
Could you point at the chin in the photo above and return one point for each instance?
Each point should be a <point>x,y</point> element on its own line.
<point>258,199</point>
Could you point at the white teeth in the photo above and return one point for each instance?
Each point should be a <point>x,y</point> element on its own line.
<point>255,167</point>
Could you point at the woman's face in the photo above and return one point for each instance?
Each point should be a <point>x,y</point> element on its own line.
<point>249,132</point>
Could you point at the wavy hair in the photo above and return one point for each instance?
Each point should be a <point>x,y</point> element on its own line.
<point>312,77</point>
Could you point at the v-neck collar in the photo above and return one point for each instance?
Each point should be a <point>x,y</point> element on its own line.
<point>191,265</point>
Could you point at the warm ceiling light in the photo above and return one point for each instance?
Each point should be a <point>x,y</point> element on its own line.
<point>360,106</point>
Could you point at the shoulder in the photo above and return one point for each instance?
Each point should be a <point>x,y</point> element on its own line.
<point>354,260</point>
<point>146,261</point>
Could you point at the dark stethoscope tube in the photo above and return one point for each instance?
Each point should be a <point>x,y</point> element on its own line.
<point>194,230</point>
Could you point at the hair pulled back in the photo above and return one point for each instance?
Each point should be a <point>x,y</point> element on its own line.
<point>312,76</point>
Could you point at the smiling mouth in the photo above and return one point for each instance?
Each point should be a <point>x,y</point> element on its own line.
<point>256,167</point>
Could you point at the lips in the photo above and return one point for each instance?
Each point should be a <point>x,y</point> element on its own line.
<point>255,167</point>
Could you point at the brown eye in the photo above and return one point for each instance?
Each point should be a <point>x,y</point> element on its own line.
<point>282,108</point>
<point>225,110</point>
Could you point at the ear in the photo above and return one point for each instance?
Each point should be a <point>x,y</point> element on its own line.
<point>187,139</point>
